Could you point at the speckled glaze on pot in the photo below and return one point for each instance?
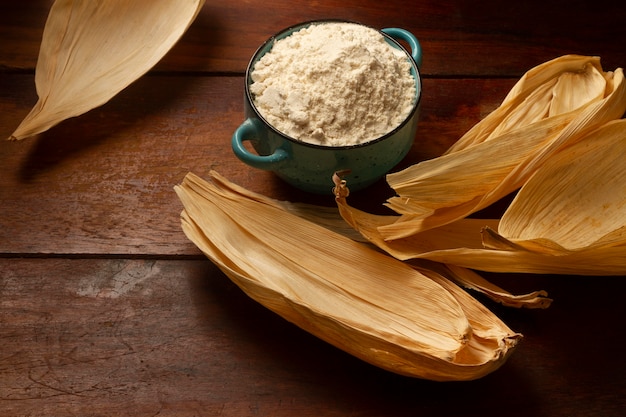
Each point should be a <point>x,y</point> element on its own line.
<point>310,167</point>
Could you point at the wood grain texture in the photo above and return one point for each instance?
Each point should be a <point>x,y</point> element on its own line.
<point>460,38</point>
<point>107,309</point>
<point>103,183</point>
<point>143,337</point>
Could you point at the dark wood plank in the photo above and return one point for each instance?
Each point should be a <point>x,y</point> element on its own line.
<point>103,182</point>
<point>459,38</point>
<point>143,337</point>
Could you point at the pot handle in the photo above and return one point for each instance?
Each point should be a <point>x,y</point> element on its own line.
<point>408,37</point>
<point>248,131</point>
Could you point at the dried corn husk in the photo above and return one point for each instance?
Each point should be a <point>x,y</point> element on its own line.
<point>443,237</point>
<point>556,113</point>
<point>553,105</point>
<point>369,304</point>
<point>437,244</point>
<point>91,50</point>
<point>576,201</point>
<point>469,279</point>
<point>572,211</point>
<point>568,218</point>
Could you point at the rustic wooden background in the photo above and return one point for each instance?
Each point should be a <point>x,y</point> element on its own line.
<point>106,308</point>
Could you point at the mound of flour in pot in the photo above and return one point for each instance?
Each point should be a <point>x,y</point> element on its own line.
<point>334,84</point>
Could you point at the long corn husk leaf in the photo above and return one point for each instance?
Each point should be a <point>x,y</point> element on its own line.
<point>463,232</point>
<point>353,296</point>
<point>551,88</point>
<point>91,50</point>
<point>552,106</point>
<point>469,279</point>
<point>463,235</point>
<point>568,218</point>
<point>576,201</point>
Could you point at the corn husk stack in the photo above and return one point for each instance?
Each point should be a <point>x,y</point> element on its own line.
<point>557,137</point>
<point>409,321</point>
<point>91,50</point>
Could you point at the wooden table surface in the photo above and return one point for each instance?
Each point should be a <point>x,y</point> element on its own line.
<point>107,309</point>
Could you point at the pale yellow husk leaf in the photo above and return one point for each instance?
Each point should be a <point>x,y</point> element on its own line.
<point>353,296</point>
<point>440,244</point>
<point>469,279</point>
<point>91,50</point>
<point>568,218</point>
<point>441,238</point>
<point>576,201</point>
<point>552,106</point>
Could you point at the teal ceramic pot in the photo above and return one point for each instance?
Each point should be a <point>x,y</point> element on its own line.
<point>310,167</point>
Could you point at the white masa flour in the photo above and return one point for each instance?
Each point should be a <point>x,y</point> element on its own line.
<point>334,84</point>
